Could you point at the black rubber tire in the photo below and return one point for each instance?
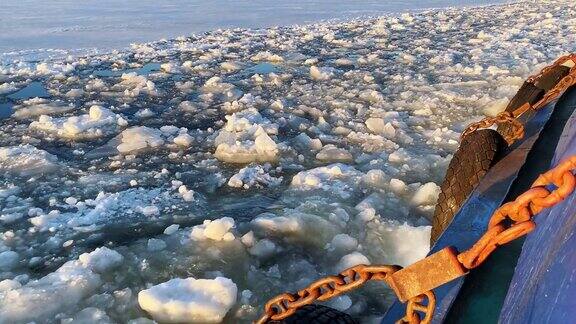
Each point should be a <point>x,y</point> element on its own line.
<point>477,153</point>
<point>528,92</point>
<point>551,78</point>
<point>317,314</point>
<point>532,93</point>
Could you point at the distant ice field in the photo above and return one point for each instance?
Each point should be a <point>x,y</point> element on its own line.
<point>32,29</point>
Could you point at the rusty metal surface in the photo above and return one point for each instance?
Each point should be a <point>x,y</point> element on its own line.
<point>286,304</point>
<point>426,274</point>
<point>544,285</point>
<point>421,305</point>
<point>515,219</point>
<point>515,131</point>
<point>469,224</point>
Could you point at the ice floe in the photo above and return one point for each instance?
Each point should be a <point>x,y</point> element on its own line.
<point>189,300</point>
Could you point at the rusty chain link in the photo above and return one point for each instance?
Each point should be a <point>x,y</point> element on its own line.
<point>505,117</point>
<point>415,306</point>
<point>284,305</point>
<point>509,222</point>
<point>514,219</point>
<point>516,131</point>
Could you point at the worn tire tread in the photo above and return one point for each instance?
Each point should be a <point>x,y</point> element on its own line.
<point>317,314</point>
<point>478,152</point>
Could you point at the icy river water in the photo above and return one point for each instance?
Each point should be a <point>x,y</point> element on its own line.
<point>191,179</point>
<point>33,29</point>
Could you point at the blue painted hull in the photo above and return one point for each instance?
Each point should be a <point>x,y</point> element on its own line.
<point>543,289</point>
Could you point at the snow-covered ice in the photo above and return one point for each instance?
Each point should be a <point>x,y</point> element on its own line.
<point>251,162</point>
<point>26,160</point>
<point>95,123</point>
<point>217,230</point>
<point>59,290</point>
<point>189,300</point>
<point>110,24</point>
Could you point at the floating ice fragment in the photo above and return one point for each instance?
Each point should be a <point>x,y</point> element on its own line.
<point>343,243</point>
<point>263,249</point>
<point>248,239</point>
<point>350,260</point>
<point>26,160</point>
<point>321,73</point>
<point>267,56</point>
<point>340,303</point>
<point>189,300</point>
<point>217,230</point>
<point>8,260</point>
<point>367,214</point>
<point>101,260</point>
<point>426,194</point>
<point>183,140</point>
<point>171,229</point>
<point>39,106</point>
<point>58,291</point>
<point>150,210</point>
<point>495,107</point>
<point>96,123</point>
<point>253,175</point>
<point>331,153</point>
<point>138,138</point>
<point>230,66</point>
<point>154,245</point>
<point>245,139</point>
<point>187,195</point>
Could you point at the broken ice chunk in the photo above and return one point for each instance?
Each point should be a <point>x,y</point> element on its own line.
<point>26,160</point>
<point>97,122</point>
<point>321,73</point>
<point>8,260</point>
<point>217,230</point>
<point>350,260</point>
<point>137,138</point>
<point>331,153</point>
<point>171,229</point>
<point>253,176</point>
<point>245,139</point>
<point>427,194</point>
<point>100,260</point>
<point>183,140</point>
<point>189,300</point>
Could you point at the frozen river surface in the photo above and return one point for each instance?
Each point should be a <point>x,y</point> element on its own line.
<point>191,179</point>
<point>34,29</point>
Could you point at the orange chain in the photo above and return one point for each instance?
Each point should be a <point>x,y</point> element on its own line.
<point>415,305</point>
<point>521,211</point>
<point>505,117</point>
<point>284,305</point>
<point>517,129</point>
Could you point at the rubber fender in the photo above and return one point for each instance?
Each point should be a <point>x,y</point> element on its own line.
<point>477,153</point>
<point>317,314</point>
<point>551,78</point>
